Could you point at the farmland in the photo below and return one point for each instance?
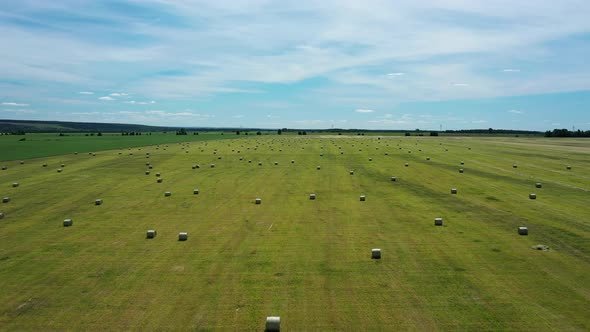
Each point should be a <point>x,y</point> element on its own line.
<point>307,261</point>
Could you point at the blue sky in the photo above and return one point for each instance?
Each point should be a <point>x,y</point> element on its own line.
<point>298,64</point>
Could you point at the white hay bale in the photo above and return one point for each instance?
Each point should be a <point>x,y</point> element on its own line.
<point>158,174</point>
<point>351,172</point>
<point>533,196</point>
<point>523,231</point>
<point>370,159</point>
<point>59,170</point>
<point>312,196</point>
<point>393,178</point>
<point>376,253</point>
<point>68,222</point>
<point>195,191</point>
<point>362,198</point>
<point>159,180</point>
<point>250,161</point>
<point>212,165</point>
<point>182,236</point>
<point>63,165</point>
<point>276,163</point>
<point>462,163</point>
<point>258,201</point>
<point>438,221</point>
<point>514,166</point>
<point>147,172</point>
<point>453,190</point>
<point>150,166</point>
<point>151,234</point>
<point>147,164</point>
<point>461,170</point>
<point>568,167</point>
<point>44,165</point>
<point>538,185</point>
<point>98,202</point>
<point>167,194</point>
<point>427,158</point>
<point>406,164</point>
<point>273,324</point>
<point>318,167</point>
<point>1,215</point>
<point>22,162</point>
<point>259,163</point>
<point>15,184</point>
<point>292,161</point>
<point>4,168</point>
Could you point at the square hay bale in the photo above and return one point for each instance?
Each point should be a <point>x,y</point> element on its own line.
<point>147,172</point>
<point>182,236</point>
<point>147,164</point>
<point>273,324</point>
<point>438,221</point>
<point>462,163</point>
<point>514,166</point>
<point>523,230</point>
<point>568,167</point>
<point>312,196</point>
<point>393,178</point>
<point>44,165</point>
<point>376,253</point>
<point>461,170</point>
<point>158,174</point>
<point>150,166</point>
<point>362,198</point>
<point>318,167</point>
<point>258,201</point>
<point>538,185</point>
<point>259,164</point>
<point>292,161</point>
<point>249,161</point>
<point>195,191</point>
<point>22,162</point>
<point>63,165</point>
<point>533,196</point>
<point>68,222</point>
<point>15,184</point>
<point>5,199</point>
<point>370,159</point>
<point>276,163</point>
<point>98,202</point>
<point>453,190</point>
<point>4,168</point>
<point>406,164</point>
<point>159,180</point>
<point>151,234</point>
<point>212,165</point>
<point>59,170</point>
<point>167,194</point>
<point>351,172</point>
<point>427,158</point>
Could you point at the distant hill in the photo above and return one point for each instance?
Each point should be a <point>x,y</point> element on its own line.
<point>30,126</point>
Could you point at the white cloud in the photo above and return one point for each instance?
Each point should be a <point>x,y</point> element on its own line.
<point>25,111</point>
<point>119,94</point>
<point>511,70</point>
<point>185,113</point>
<point>272,116</point>
<point>86,92</point>
<point>106,98</point>
<point>479,121</point>
<point>139,102</point>
<point>516,112</point>
<point>387,116</point>
<point>14,104</point>
<point>396,74</point>
<point>363,110</point>
<point>460,84</point>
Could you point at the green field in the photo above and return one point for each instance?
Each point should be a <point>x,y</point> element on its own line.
<point>45,145</point>
<point>307,261</point>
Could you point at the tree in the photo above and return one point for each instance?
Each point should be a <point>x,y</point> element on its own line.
<point>182,131</point>
<point>279,132</point>
<point>407,134</point>
<point>434,133</point>
<point>237,132</point>
<point>99,134</point>
<point>258,133</point>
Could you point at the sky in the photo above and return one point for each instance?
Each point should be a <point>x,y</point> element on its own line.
<point>429,64</point>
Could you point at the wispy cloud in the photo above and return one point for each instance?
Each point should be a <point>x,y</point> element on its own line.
<point>396,74</point>
<point>516,111</point>
<point>24,111</point>
<point>86,92</point>
<point>511,70</point>
<point>14,104</point>
<point>459,84</point>
<point>133,102</point>
<point>107,98</point>
<point>363,110</point>
<point>119,94</point>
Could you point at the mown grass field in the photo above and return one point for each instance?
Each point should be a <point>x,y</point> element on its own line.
<point>307,261</point>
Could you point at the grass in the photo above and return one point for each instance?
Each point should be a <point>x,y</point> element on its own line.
<point>307,261</point>
<point>45,145</point>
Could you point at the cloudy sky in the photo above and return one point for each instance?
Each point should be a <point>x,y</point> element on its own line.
<point>298,64</point>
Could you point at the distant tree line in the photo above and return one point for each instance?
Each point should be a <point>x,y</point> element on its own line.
<point>567,133</point>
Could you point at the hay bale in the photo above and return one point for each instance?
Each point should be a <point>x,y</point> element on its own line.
<point>461,170</point>
<point>167,194</point>
<point>44,165</point>
<point>258,201</point>
<point>4,168</point>
<point>514,166</point>
<point>159,180</point>
<point>59,170</point>
<point>182,236</point>
<point>406,164</point>
<point>569,167</point>
<point>453,190</point>
<point>147,172</point>
<point>312,196</point>
<point>318,167</point>
<point>538,185</point>
<point>376,253</point>
<point>15,184</point>
<point>1,215</point>
<point>351,172</point>
<point>362,198</point>
<point>98,202</point>
<point>370,159</point>
<point>523,231</point>
<point>22,162</point>
<point>63,165</point>
<point>540,247</point>
<point>462,163</point>
<point>259,163</point>
<point>533,196</point>
<point>249,161</point>
<point>68,222</point>
<point>158,174</point>
<point>427,158</point>
<point>393,178</point>
<point>276,163</point>
<point>151,234</point>
<point>292,161</point>
<point>212,165</point>
<point>195,191</point>
<point>150,166</point>
<point>273,324</point>
<point>438,221</point>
